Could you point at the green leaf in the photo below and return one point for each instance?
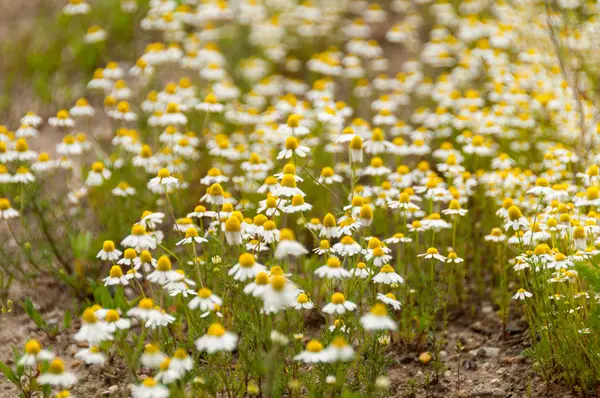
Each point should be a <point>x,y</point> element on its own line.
<point>67,320</point>
<point>33,313</point>
<point>102,296</point>
<point>8,373</point>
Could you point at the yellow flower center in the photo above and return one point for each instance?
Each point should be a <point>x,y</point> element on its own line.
<point>314,346</point>
<point>333,262</point>
<point>115,271</point>
<point>216,330</point>
<point>163,264</point>
<point>89,316</point>
<point>246,260</point>
<point>302,298</point>
<point>32,347</point>
<point>56,367</point>
<point>338,298</point>
<point>379,310</point>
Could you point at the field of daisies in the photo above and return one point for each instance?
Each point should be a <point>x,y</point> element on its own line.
<point>277,198</point>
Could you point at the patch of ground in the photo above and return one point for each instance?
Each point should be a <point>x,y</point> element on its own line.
<point>488,365</point>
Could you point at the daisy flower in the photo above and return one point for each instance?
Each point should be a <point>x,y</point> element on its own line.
<point>91,356</point>
<point>293,147</point>
<point>377,319</point>
<point>361,271</point>
<point>191,236</point>
<point>522,294</point>
<point>257,288</point>
<point>432,254</point>
<point>314,353</point>
<point>338,305</point>
<point>340,350</point>
<point>97,175</point>
<point>152,357</point>
<point>163,182</point>
<point>217,339</point>
<point>278,294</point>
<point>108,251</point>
<point>149,389</point>
<point>387,276</point>
<point>57,376</point>
<point>303,302</point>
<point>163,274</point>
<point>115,277</point>
<point>92,330</point>
<point>332,270</point>
<point>205,300</point>
<point>246,268</point>
<point>34,353</point>
<point>389,299</point>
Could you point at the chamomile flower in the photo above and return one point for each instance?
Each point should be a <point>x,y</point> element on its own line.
<point>387,276</point>
<point>302,302</point>
<point>454,209</point>
<point>191,236</point>
<point>314,353</point>
<point>139,239</point>
<point>93,330</point>
<point>515,220</point>
<point>278,294</point>
<point>115,277</point>
<point>340,350</point>
<point>152,357</point>
<point>163,182</point>
<point>361,271</point>
<point>258,286</point>
<point>149,388</point>
<point>339,305</point>
<point>377,319</point>
<point>109,252</point>
<point>432,254</point>
<point>91,356</point>
<point>34,354</point>
<point>292,147</point>
<point>205,300</point>
<point>347,246</point>
<point>163,274</point>
<point>522,294</point>
<point>217,339</point>
<point>57,375</point>
<point>61,119</point>
<point>496,235</point>
<point>288,245</point>
<point>246,268</point>
<point>115,322</point>
<point>332,270</point>
<point>97,175</point>
<point>390,300</point>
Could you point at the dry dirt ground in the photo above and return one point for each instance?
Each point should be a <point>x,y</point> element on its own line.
<point>489,365</point>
